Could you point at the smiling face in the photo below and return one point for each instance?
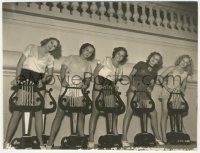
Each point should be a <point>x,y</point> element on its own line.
<point>87,52</point>
<point>154,60</point>
<point>51,45</point>
<point>184,62</point>
<point>120,55</point>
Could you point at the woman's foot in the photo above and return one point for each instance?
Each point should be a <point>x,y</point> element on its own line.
<point>160,142</point>
<point>48,147</point>
<point>7,145</point>
<point>43,148</point>
<point>125,143</point>
<point>91,145</point>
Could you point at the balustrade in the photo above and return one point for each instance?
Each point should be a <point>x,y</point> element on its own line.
<point>126,13</point>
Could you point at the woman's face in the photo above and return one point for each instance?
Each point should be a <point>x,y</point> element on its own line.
<point>184,62</point>
<point>120,55</point>
<point>154,60</point>
<point>87,52</point>
<point>51,45</point>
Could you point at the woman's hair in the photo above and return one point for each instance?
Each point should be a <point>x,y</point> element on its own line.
<point>159,65</point>
<point>56,53</point>
<point>83,46</point>
<point>189,67</point>
<point>116,50</point>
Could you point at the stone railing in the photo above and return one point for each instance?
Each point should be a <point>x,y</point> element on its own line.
<point>157,18</point>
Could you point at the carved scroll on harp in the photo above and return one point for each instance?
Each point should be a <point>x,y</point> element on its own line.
<point>26,90</point>
<point>75,103</point>
<point>109,100</point>
<point>52,103</point>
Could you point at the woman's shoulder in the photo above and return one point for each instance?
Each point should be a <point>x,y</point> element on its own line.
<point>70,57</point>
<point>140,63</point>
<point>108,58</point>
<point>31,46</point>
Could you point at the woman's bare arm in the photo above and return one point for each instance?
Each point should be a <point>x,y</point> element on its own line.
<point>48,76</point>
<point>63,70</point>
<point>97,69</point>
<point>131,76</point>
<point>19,69</point>
<point>162,76</point>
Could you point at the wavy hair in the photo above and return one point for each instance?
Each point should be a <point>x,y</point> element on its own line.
<point>83,46</point>
<point>116,50</point>
<point>56,53</point>
<point>159,65</point>
<point>189,68</point>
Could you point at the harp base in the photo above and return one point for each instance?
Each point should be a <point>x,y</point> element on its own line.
<point>25,142</point>
<point>36,144</point>
<point>110,141</point>
<point>74,142</point>
<point>180,138</point>
<point>145,140</point>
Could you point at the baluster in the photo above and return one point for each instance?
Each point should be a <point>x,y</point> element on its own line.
<point>65,9</point>
<point>39,4</point>
<point>119,12</point>
<point>111,11</point>
<point>84,7</point>
<point>158,18</point>
<point>74,11</point>
<point>50,5</point>
<point>185,22</point>
<point>22,5</point>
<point>165,20</point>
<point>172,22</point>
<point>60,6</point>
<point>135,14</point>
<point>128,13</point>
<point>102,11</point>
<point>29,4</point>
<point>179,23</point>
<point>191,27</point>
<point>151,17</point>
<point>55,8</point>
<point>93,9</point>
<point>143,16</point>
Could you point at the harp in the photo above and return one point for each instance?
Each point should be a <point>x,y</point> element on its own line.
<point>109,103</point>
<point>79,102</point>
<point>23,99</point>
<point>177,107</point>
<point>143,108</point>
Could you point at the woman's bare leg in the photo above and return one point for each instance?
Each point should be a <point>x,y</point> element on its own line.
<point>128,115</point>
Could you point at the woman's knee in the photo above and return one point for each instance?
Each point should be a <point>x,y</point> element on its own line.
<point>38,114</point>
<point>16,114</point>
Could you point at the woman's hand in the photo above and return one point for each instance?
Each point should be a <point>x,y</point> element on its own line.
<point>40,84</point>
<point>65,84</point>
<point>116,88</point>
<point>149,89</point>
<point>132,88</point>
<point>14,82</point>
<point>177,90</point>
<point>81,85</point>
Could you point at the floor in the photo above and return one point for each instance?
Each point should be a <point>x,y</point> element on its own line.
<point>167,147</point>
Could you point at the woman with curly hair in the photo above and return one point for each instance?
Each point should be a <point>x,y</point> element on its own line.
<point>75,71</point>
<point>106,72</point>
<point>142,78</point>
<point>173,79</point>
<point>35,64</point>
